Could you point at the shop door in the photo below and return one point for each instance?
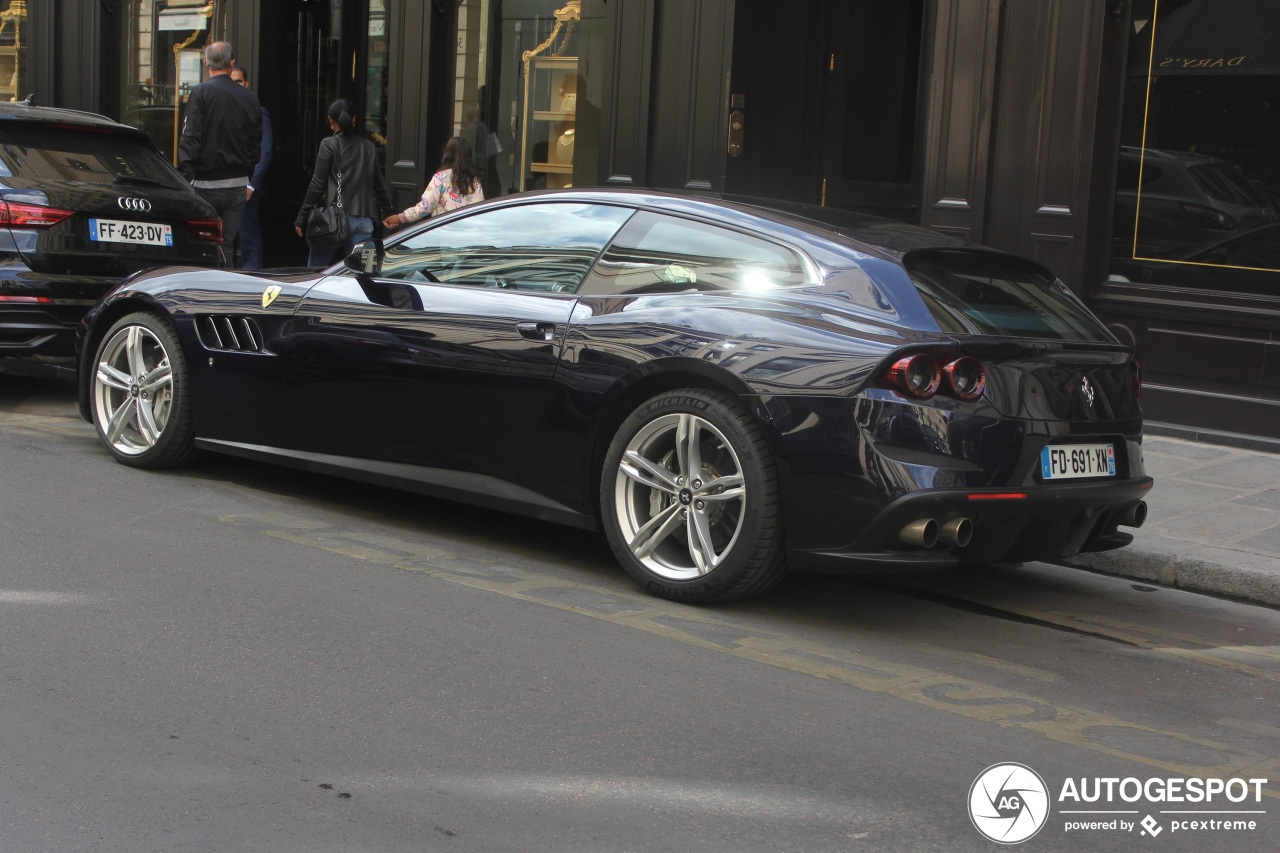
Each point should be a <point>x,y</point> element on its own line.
<point>312,54</point>
<point>824,101</point>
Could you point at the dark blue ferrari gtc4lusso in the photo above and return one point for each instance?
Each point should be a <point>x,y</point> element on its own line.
<point>729,390</point>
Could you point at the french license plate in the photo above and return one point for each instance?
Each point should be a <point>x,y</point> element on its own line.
<point>138,233</point>
<point>1066,461</point>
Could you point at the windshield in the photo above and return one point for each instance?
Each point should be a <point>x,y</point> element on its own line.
<point>975,292</point>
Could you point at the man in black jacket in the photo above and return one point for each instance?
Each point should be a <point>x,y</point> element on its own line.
<point>221,140</point>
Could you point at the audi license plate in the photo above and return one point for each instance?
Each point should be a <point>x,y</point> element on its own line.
<point>142,233</point>
<point>1066,461</point>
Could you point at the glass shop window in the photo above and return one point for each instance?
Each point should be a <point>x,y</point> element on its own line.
<point>377,96</point>
<point>160,63</point>
<point>529,76</point>
<point>1198,185</point>
<point>14,38</point>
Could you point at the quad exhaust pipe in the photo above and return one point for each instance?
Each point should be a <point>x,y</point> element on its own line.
<point>956,533</point>
<point>921,533</point>
<point>927,533</point>
<point>1134,515</point>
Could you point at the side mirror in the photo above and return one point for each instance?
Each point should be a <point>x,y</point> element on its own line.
<point>366,260</point>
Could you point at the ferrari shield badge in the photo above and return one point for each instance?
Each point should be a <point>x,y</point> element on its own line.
<point>269,295</point>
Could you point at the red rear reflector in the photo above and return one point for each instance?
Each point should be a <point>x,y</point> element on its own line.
<point>206,229</point>
<point>30,215</point>
<point>25,299</point>
<point>997,496</point>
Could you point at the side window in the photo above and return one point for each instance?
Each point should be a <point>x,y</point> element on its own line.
<point>537,247</point>
<point>655,253</point>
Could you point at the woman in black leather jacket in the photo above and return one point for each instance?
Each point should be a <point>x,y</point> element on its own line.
<point>364,194</point>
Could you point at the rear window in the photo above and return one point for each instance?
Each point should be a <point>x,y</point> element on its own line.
<point>48,153</point>
<point>972,292</point>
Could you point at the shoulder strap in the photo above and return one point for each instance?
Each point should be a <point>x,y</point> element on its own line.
<point>335,165</point>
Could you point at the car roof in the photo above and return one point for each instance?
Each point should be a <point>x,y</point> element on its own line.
<point>861,232</point>
<point>56,115</point>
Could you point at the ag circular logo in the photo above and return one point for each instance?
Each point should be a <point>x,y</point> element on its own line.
<point>1008,803</point>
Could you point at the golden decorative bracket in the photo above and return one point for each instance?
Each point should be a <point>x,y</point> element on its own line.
<point>570,14</point>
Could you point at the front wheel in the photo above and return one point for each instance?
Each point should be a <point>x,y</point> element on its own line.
<point>141,408</point>
<point>690,499</point>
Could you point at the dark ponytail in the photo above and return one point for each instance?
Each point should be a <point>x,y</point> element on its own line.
<point>343,112</point>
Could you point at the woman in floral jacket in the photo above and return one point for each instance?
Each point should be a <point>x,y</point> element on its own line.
<point>455,185</point>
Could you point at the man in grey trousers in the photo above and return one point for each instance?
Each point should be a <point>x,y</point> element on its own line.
<point>221,140</point>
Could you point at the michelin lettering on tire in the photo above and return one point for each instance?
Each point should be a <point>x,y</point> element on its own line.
<point>1008,803</point>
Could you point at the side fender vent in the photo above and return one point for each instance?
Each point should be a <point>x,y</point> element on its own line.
<point>227,332</point>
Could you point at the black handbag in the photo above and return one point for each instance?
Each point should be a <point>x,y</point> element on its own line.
<point>327,224</point>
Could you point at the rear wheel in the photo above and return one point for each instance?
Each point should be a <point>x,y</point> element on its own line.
<point>690,499</point>
<point>141,406</point>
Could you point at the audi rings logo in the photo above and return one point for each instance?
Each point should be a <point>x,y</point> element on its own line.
<point>137,205</point>
<point>1008,803</point>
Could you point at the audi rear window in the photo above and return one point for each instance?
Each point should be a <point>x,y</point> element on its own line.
<point>43,153</point>
<point>975,292</point>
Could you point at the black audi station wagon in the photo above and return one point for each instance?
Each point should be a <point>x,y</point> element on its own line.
<point>728,390</point>
<point>84,202</point>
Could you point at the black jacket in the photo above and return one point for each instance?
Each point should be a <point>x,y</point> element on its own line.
<point>364,193</point>
<point>222,134</point>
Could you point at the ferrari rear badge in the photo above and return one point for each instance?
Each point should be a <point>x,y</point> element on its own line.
<point>1086,388</point>
<point>269,295</point>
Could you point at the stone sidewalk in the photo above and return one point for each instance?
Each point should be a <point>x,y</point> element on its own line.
<point>1213,523</point>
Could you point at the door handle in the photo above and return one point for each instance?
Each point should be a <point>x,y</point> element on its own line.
<point>737,131</point>
<point>537,331</point>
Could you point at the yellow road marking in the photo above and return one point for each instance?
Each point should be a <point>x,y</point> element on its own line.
<point>988,661</point>
<point>1269,652</point>
<point>935,689</point>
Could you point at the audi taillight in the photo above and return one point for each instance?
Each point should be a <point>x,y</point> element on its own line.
<point>916,376</point>
<point>36,216</point>
<point>206,229</point>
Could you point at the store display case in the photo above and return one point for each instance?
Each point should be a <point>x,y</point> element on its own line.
<point>12,19</point>
<point>550,107</point>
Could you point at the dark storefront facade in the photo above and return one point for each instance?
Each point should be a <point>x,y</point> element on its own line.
<point>1129,145</point>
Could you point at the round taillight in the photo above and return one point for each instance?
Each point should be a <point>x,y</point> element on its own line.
<point>916,376</point>
<point>966,378</point>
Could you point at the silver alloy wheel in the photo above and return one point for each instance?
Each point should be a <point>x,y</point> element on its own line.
<point>133,390</point>
<point>680,496</point>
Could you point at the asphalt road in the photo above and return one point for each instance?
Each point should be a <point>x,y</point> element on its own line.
<point>238,657</point>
